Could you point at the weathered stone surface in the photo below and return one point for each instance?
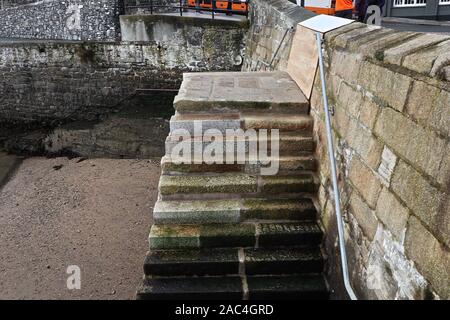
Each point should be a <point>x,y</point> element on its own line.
<point>192,262</point>
<point>365,181</point>
<point>421,147</point>
<point>278,209</point>
<point>392,213</point>
<point>424,60</point>
<point>232,183</point>
<point>344,40</point>
<point>364,215</point>
<point>440,115</point>
<point>280,234</point>
<point>396,54</point>
<point>205,288</point>
<point>385,84</point>
<point>376,46</point>
<point>282,260</point>
<point>346,65</point>
<point>387,165</point>
<point>191,212</point>
<point>287,184</point>
<point>230,235</point>
<point>298,123</point>
<point>287,287</point>
<point>421,100</point>
<point>174,237</point>
<point>240,91</point>
<point>426,201</point>
<point>203,122</point>
<point>431,257</point>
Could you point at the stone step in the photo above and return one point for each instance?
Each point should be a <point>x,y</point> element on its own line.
<point>254,235</point>
<point>236,91</point>
<point>308,286</point>
<point>245,185</point>
<point>289,143</point>
<point>232,211</point>
<point>230,261</point>
<point>286,164</point>
<point>198,124</point>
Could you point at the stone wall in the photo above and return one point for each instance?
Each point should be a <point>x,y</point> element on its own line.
<point>391,95</point>
<point>269,20</point>
<point>64,20</point>
<point>45,81</point>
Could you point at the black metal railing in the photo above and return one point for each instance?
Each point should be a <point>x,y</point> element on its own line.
<point>227,7</point>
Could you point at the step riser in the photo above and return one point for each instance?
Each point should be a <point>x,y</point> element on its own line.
<point>230,216</point>
<point>249,185</point>
<point>285,167</point>
<point>297,261</point>
<point>198,127</point>
<point>232,287</point>
<point>285,148</point>
<point>166,237</point>
<point>233,211</point>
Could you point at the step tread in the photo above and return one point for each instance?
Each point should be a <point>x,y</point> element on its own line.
<point>239,90</point>
<point>307,286</point>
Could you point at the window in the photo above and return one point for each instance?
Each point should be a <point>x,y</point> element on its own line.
<point>444,2</point>
<point>412,3</point>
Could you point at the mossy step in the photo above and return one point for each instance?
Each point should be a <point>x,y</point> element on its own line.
<point>243,184</point>
<point>282,122</point>
<point>192,288</point>
<point>285,165</point>
<point>164,237</point>
<point>232,211</point>
<point>289,143</point>
<point>225,261</point>
<point>271,287</point>
<point>198,124</point>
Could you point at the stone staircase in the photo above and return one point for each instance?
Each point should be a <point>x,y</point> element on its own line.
<point>225,231</point>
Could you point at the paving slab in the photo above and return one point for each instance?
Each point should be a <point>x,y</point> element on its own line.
<point>231,91</point>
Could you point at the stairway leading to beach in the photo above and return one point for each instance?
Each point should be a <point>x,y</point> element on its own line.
<point>232,231</point>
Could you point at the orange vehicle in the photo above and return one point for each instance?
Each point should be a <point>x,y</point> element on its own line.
<point>236,5</point>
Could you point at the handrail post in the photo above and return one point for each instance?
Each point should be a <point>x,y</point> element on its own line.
<point>181,8</point>
<point>337,201</point>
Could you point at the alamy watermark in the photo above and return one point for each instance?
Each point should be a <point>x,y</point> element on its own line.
<point>74,279</point>
<point>234,146</point>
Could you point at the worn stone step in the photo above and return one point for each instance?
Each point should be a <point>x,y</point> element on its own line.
<point>232,211</point>
<point>163,237</point>
<point>307,286</point>
<point>235,91</point>
<point>198,124</point>
<point>191,288</point>
<point>229,261</point>
<point>286,164</point>
<point>178,186</point>
<point>287,287</point>
<point>283,122</point>
<point>289,143</point>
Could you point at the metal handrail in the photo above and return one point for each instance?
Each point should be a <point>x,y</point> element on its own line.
<point>337,200</point>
